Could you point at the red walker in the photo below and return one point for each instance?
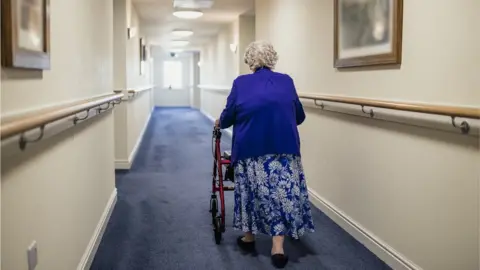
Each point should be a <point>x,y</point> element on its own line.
<point>222,171</point>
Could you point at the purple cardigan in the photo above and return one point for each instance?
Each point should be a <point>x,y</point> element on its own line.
<point>264,110</point>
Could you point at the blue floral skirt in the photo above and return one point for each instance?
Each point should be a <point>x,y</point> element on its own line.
<point>271,196</point>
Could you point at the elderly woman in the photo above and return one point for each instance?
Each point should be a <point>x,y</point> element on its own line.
<point>270,190</point>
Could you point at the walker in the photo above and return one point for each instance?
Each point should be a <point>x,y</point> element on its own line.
<point>222,171</point>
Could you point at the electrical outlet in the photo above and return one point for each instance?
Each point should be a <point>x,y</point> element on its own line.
<point>32,256</point>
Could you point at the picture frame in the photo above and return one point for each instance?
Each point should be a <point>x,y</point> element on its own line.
<point>367,32</point>
<point>25,28</point>
<point>142,55</point>
<point>141,45</point>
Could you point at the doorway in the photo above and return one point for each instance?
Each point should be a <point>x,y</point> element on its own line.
<point>172,78</point>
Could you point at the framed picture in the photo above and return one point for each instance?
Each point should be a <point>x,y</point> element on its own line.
<point>141,40</point>
<point>367,32</point>
<point>26,34</point>
<point>142,55</point>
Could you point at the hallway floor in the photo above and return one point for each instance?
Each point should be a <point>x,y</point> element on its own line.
<point>161,219</point>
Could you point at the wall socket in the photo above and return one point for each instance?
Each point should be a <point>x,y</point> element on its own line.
<point>32,256</point>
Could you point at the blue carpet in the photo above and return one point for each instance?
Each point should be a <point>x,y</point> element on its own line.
<point>161,219</point>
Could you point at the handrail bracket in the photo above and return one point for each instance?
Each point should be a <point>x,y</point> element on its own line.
<point>23,141</point>
<point>464,126</point>
<point>319,105</point>
<point>76,118</point>
<point>100,109</point>
<point>370,112</point>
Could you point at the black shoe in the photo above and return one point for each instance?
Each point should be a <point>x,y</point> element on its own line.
<point>279,260</point>
<point>246,246</point>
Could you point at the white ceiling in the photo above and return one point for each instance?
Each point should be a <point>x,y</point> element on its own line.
<point>158,22</point>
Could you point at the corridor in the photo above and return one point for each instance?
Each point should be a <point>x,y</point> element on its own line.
<point>107,109</point>
<point>161,218</point>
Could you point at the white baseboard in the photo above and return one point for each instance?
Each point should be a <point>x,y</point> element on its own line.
<point>122,164</point>
<point>92,247</point>
<point>228,130</point>
<point>134,152</point>
<point>386,253</point>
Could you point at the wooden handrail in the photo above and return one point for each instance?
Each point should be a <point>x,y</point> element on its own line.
<point>140,89</point>
<point>131,93</point>
<point>453,111</point>
<point>40,118</point>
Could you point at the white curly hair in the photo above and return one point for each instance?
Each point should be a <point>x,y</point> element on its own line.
<point>260,54</point>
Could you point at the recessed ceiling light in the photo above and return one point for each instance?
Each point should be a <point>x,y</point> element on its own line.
<point>182,33</point>
<point>188,14</point>
<point>176,43</point>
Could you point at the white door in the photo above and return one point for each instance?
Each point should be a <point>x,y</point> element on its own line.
<point>172,80</point>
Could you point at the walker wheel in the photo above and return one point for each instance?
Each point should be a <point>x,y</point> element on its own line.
<point>217,230</point>
<point>213,209</point>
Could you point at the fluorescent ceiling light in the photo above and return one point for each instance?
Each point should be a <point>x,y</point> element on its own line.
<point>195,4</point>
<point>176,43</point>
<point>188,14</point>
<point>182,33</point>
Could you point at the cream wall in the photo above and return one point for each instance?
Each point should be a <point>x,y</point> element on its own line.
<point>218,61</point>
<point>140,107</point>
<point>56,191</point>
<point>220,66</point>
<point>234,38</point>
<point>133,115</point>
<point>208,60</point>
<point>127,51</point>
<point>196,95</point>
<point>411,188</point>
<point>246,35</point>
<point>120,44</point>
<point>218,70</point>
<point>138,116</point>
<point>120,39</point>
<point>225,57</point>
<point>134,78</point>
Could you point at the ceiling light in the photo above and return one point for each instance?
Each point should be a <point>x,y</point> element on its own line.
<point>182,33</point>
<point>188,14</point>
<point>176,43</point>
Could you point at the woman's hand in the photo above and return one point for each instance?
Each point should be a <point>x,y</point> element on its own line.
<point>217,123</point>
